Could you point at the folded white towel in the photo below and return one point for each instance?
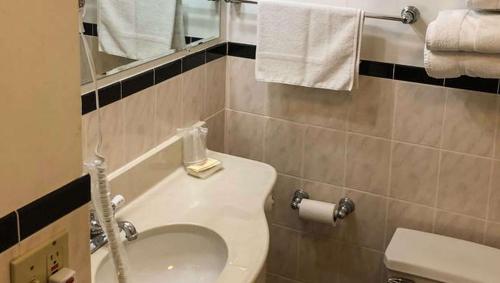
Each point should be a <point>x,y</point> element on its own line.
<point>455,64</point>
<point>464,30</point>
<point>136,29</point>
<point>308,44</point>
<point>483,4</point>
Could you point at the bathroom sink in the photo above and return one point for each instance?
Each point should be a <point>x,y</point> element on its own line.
<point>174,254</point>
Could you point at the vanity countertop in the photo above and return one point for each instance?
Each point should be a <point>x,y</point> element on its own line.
<point>230,203</point>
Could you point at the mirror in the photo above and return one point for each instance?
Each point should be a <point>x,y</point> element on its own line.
<point>125,33</point>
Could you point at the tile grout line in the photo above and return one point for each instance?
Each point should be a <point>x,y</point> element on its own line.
<point>303,152</point>
<point>18,222</point>
<point>340,241</point>
<point>386,197</point>
<point>369,136</point>
<point>492,168</point>
<point>392,145</point>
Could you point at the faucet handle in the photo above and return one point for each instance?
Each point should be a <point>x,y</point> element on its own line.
<point>117,202</point>
<point>95,227</point>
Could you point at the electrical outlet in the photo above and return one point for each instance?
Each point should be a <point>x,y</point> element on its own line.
<point>37,265</point>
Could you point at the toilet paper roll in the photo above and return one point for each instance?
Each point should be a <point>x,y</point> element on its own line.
<point>317,211</point>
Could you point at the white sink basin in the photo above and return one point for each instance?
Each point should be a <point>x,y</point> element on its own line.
<point>193,230</point>
<point>173,254</point>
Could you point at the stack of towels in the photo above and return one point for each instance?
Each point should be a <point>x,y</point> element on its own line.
<point>465,42</point>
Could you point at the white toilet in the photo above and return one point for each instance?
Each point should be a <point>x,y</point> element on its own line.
<point>414,256</point>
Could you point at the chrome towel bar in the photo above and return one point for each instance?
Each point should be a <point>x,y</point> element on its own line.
<point>409,14</point>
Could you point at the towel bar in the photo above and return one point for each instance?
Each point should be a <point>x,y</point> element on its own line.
<point>409,14</point>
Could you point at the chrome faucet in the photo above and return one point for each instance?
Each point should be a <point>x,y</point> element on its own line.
<point>129,229</point>
<point>98,237</point>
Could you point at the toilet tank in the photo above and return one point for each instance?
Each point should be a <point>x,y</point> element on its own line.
<point>426,257</point>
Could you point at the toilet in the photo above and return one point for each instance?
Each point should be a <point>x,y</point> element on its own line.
<point>420,257</point>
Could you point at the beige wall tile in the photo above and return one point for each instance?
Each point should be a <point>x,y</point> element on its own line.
<point>284,146</point>
<point>5,258</point>
<point>319,259</point>
<point>216,87</point>
<point>168,108</point>
<point>463,184</point>
<point>359,265</point>
<point>139,113</point>
<point>76,224</point>
<point>194,91</point>
<point>366,225</point>
<point>324,155</point>
<point>313,106</point>
<point>459,226</point>
<point>414,173</point>
<point>138,179</point>
<point>216,127</point>
<point>419,113</point>
<point>245,134</point>
<point>494,209</point>
<point>367,165</point>
<point>492,236</point>
<point>41,114</point>
<point>113,129</point>
<point>372,107</point>
<point>244,92</point>
<point>410,216</point>
<point>282,213</point>
<point>283,252</point>
<point>469,124</point>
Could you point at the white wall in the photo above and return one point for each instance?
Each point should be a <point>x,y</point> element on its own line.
<point>201,18</point>
<point>384,41</point>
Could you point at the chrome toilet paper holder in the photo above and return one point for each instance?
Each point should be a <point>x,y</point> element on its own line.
<point>345,207</point>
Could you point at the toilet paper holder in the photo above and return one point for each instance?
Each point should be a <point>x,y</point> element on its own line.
<point>345,207</point>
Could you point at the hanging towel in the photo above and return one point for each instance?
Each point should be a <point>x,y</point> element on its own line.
<point>308,44</point>
<point>455,64</point>
<point>136,29</point>
<point>464,30</point>
<point>483,4</point>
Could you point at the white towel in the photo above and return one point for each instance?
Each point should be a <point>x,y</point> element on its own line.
<point>308,44</point>
<point>483,4</point>
<point>136,29</point>
<point>464,30</point>
<point>455,64</point>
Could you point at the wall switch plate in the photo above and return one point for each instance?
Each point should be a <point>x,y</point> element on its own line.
<point>38,265</point>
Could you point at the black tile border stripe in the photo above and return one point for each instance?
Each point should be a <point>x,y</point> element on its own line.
<point>137,83</point>
<point>8,231</point>
<point>193,60</point>
<point>367,68</point>
<point>90,29</point>
<point>376,69</point>
<point>168,71</point>
<point>42,212</point>
<point>415,74</point>
<point>475,84</point>
<point>109,94</point>
<point>241,50</point>
<point>216,52</point>
<point>395,72</point>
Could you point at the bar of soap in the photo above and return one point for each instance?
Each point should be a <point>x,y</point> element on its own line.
<point>206,169</point>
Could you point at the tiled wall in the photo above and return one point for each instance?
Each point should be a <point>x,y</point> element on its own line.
<point>144,111</point>
<point>410,155</point>
<point>41,135</point>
